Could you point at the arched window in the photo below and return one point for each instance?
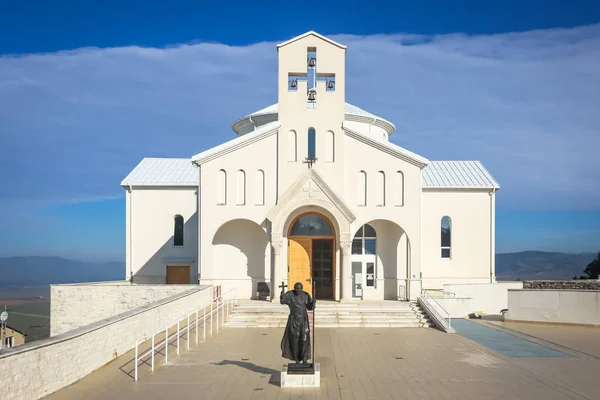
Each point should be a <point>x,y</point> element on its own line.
<point>312,143</point>
<point>399,188</point>
<point>364,259</point>
<point>178,231</point>
<point>361,193</point>
<point>292,146</point>
<point>241,187</point>
<point>260,187</point>
<point>446,236</point>
<point>311,225</point>
<point>329,146</point>
<point>380,189</point>
<point>222,187</point>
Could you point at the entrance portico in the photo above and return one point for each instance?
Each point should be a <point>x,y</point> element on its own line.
<point>310,195</point>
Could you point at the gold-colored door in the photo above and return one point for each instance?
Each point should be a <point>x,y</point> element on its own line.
<point>178,275</point>
<point>300,254</point>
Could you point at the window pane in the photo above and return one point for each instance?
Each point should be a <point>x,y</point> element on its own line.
<point>357,246</point>
<point>311,225</point>
<point>370,268</point>
<point>446,253</point>
<point>369,231</point>
<point>311,143</point>
<point>178,231</point>
<point>446,231</point>
<point>359,233</point>
<point>370,246</point>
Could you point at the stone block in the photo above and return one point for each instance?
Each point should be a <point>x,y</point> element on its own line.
<point>299,378</point>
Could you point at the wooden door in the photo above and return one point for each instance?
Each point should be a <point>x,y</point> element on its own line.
<point>299,255</point>
<point>178,274</point>
<point>322,268</point>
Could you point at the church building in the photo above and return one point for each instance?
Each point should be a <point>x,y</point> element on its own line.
<point>311,190</point>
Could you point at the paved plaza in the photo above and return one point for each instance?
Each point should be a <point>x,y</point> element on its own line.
<point>373,363</point>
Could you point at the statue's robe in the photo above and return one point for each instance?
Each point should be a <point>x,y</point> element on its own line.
<point>295,344</point>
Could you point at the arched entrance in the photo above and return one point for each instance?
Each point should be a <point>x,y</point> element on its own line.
<point>311,254</point>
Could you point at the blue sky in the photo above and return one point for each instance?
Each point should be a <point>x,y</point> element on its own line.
<point>88,90</point>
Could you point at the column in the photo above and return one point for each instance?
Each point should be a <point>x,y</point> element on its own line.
<point>345,272</point>
<point>277,244</point>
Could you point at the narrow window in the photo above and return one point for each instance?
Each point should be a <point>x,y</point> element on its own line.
<point>380,189</point>
<point>222,187</point>
<point>446,236</point>
<point>241,187</point>
<point>260,188</point>
<point>330,147</point>
<point>178,231</point>
<point>399,188</point>
<point>362,189</point>
<point>312,143</point>
<point>292,146</point>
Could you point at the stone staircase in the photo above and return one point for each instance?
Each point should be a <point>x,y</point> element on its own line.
<point>366,314</point>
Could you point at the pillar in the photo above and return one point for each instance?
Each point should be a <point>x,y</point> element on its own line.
<point>345,273</point>
<point>277,244</point>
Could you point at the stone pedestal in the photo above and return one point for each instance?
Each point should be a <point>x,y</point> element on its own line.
<point>297,375</point>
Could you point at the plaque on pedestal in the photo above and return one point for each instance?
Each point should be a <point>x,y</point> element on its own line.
<point>301,375</point>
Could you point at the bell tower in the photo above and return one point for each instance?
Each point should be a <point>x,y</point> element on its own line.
<point>311,97</point>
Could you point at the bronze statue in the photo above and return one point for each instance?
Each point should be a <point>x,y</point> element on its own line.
<point>295,344</point>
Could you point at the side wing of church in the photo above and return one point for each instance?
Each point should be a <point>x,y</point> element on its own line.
<point>311,190</point>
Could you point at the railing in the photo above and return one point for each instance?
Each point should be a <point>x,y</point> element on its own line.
<point>223,304</point>
<point>436,311</point>
<point>440,294</point>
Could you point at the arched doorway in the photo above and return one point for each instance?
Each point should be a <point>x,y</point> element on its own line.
<point>311,254</point>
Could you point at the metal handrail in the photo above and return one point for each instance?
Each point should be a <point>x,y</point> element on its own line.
<point>224,303</point>
<point>437,311</point>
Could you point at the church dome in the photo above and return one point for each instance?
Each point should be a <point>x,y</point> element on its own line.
<point>353,114</point>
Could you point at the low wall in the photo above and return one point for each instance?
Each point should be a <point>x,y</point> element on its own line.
<point>554,306</point>
<point>579,284</point>
<point>75,305</point>
<point>486,298</point>
<point>39,368</point>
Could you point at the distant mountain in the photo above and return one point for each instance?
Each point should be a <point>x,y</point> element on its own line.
<point>35,270</point>
<point>535,265</point>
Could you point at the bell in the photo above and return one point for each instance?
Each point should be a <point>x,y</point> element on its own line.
<point>311,95</point>
<point>330,85</point>
<point>294,84</point>
<point>312,62</point>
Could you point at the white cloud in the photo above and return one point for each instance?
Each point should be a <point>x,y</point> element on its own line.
<point>74,123</point>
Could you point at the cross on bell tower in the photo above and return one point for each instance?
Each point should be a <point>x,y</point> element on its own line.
<point>311,77</point>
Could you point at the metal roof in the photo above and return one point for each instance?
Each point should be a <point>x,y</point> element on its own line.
<point>351,112</point>
<point>163,172</point>
<point>437,175</point>
<point>458,174</point>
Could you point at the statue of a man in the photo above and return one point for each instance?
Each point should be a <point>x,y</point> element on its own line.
<point>295,344</point>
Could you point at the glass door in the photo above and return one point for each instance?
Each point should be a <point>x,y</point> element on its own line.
<point>357,279</point>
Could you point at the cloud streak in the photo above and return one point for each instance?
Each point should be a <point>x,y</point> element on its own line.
<point>74,123</point>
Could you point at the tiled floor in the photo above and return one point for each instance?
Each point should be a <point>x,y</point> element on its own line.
<point>356,363</point>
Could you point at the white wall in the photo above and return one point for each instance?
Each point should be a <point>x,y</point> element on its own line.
<point>39,368</point>
<point>406,215</point>
<point>224,258</point>
<point>472,238</point>
<point>554,306</point>
<point>486,298</point>
<point>77,305</point>
<point>152,218</point>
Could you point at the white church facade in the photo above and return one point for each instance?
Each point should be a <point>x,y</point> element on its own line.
<point>311,190</point>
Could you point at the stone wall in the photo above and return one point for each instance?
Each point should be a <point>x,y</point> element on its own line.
<point>39,368</point>
<point>76,305</point>
<point>579,284</point>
